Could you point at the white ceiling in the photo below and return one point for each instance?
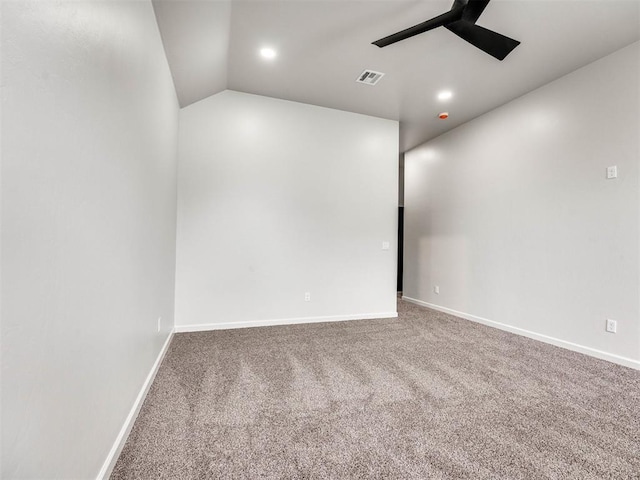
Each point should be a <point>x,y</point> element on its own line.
<point>323,45</point>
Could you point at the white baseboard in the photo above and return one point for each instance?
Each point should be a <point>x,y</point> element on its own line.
<point>282,321</point>
<point>627,362</point>
<point>121,439</point>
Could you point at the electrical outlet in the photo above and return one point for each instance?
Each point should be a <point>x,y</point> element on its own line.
<point>307,296</point>
<point>612,325</point>
<point>612,172</point>
<point>385,245</point>
<point>436,289</point>
<point>159,323</point>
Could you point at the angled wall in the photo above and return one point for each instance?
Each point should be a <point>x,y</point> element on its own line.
<point>89,141</point>
<point>276,199</point>
<point>513,217</point>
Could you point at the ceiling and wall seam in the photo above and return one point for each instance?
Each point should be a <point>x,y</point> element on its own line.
<point>324,45</point>
<point>165,55</point>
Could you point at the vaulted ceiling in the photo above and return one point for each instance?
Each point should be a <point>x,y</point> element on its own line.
<point>324,45</point>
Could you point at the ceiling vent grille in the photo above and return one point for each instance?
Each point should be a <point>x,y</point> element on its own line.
<point>369,77</point>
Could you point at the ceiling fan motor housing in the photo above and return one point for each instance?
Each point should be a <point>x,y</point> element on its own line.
<point>460,20</point>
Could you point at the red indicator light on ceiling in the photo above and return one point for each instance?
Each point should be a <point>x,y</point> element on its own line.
<point>443,115</point>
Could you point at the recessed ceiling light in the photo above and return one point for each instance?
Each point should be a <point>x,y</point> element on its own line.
<point>445,95</point>
<point>268,53</point>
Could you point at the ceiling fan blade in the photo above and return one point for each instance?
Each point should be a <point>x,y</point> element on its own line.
<point>493,43</point>
<point>450,16</point>
<point>474,9</point>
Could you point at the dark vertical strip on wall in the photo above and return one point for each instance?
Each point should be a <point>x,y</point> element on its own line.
<point>400,245</point>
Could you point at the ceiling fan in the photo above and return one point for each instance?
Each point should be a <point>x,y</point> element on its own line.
<point>461,20</point>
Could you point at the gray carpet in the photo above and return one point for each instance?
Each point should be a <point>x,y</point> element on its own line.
<point>426,395</point>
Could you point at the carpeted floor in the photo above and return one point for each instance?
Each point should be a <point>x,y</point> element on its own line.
<point>426,396</point>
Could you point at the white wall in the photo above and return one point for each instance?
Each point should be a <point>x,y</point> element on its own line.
<point>276,199</point>
<point>512,215</point>
<point>89,144</point>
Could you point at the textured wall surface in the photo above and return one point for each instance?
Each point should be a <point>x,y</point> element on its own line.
<point>276,199</point>
<point>513,217</point>
<point>89,144</point>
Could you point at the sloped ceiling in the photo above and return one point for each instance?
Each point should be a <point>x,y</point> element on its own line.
<point>196,37</point>
<point>324,45</point>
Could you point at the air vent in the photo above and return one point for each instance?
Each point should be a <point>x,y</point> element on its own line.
<point>369,77</point>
